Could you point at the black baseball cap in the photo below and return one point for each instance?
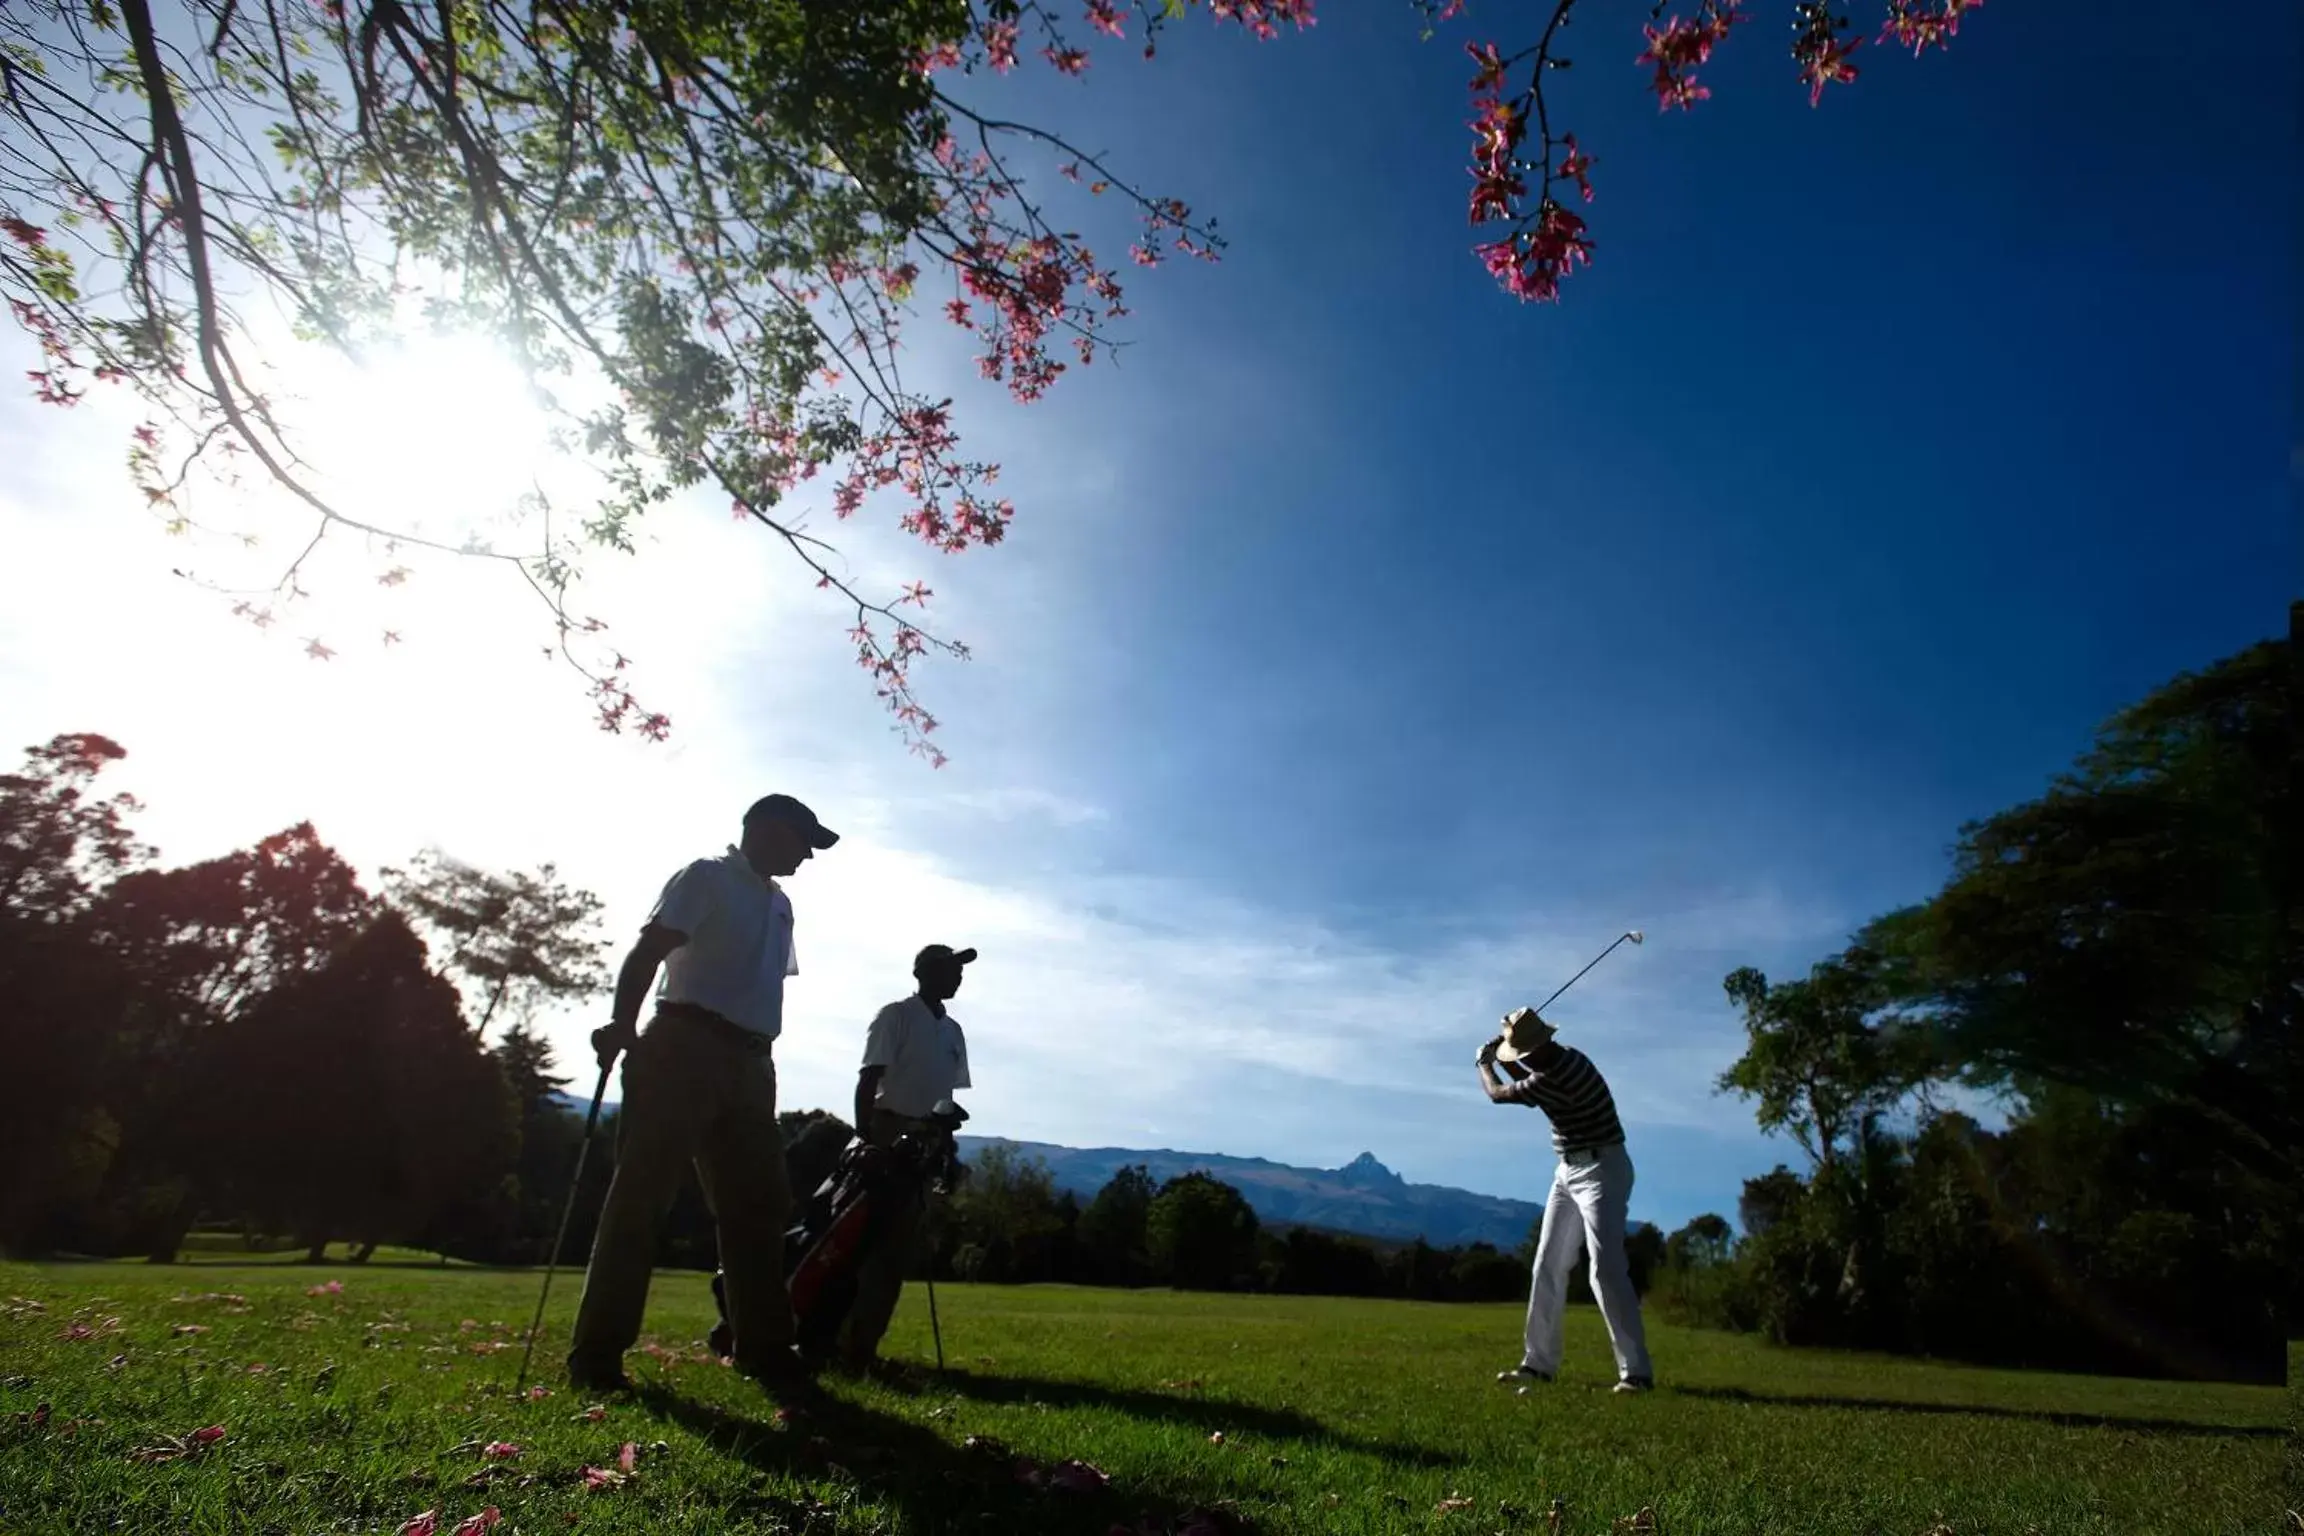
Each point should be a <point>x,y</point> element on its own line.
<point>934,954</point>
<point>793,814</point>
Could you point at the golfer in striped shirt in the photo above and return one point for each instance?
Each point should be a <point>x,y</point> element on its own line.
<point>1591,1191</point>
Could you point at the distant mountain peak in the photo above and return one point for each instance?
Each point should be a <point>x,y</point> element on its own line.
<point>1364,1170</point>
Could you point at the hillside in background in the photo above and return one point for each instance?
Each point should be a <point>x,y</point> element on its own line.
<point>1363,1196</point>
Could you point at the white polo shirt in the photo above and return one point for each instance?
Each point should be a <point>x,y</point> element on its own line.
<point>739,948</point>
<point>926,1057</point>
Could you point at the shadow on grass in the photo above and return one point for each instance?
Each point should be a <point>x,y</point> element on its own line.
<point>1987,1411</point>
<point>930,1484</point>
<point>1202,1414</point>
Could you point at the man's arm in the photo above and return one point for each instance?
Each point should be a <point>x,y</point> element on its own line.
<point>632,983</point>
<point>867,1094</point>
<point>1498,1090</point>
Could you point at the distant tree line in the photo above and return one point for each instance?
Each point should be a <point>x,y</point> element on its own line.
<point>260,1044</point>
<point>1008,1222</point>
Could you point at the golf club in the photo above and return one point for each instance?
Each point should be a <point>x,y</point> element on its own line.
<point>560,1238</point>
<point>1633,934</point>
<point>935,1327</point>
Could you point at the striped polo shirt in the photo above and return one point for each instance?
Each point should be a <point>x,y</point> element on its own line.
<point>1575,1098</point>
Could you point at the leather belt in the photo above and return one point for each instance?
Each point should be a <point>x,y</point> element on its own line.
<point>720,1026</point>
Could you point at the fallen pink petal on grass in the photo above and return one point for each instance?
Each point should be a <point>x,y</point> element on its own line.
<point>425,1524</point>
<point>177,1447</point>
<point>538,1394</point>
<point>500,1450</point>
<point>326,1288</point>
<point>473,1525</point>
<point>601,1480</point>
<point>628,1458</point>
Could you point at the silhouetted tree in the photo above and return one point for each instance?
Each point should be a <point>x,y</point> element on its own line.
<point>1004,1222</point>
<point>513,942</point>
<point>1705,1241</point>
<point>352,1102</point>
<point>1113,1228</point>
<point>195,946</point>
<point>59,999</point>
<point>1201,1234</point>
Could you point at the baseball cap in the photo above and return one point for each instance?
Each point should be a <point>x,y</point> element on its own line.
<point>934,953</point>
<point>792,813</point>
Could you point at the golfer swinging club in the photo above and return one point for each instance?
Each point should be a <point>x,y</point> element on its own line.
<point>914,1057</point>
<point>700,1087</point>
<point>1591,1190</point>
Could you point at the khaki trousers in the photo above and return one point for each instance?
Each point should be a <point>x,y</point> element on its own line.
<point>693,1094</point>
<point>895,1253</point>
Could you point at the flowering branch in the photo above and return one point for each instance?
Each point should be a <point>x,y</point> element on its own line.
<point>1517,181</point>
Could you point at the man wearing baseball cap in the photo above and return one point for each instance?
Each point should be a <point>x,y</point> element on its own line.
<point>1591,1193</point>
<point>700,1088</point>
<point>914,1057</point>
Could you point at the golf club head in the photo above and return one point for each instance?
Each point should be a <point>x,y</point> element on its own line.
<point>1636,936</point>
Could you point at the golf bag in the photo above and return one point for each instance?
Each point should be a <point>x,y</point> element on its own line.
<point>845,1220</point>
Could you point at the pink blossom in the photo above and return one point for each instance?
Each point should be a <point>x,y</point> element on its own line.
<point>500,1450</point>
<point>1000,45</point>
<point>1105,17</point>
<point>628,1457</point>
<point>539,1393</point>
<point>1922,24</point>
<point>1070,61</point>
<point>473,1525</point>
<point>1680,47</point>
<point>425,1524</point>
<point>1827,64</point>
<point>1531,265</point>
<point>208,1435</point>
<point>1577,166</point>
<point>327,1288</point>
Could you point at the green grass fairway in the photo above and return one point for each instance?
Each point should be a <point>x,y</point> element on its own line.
<point>354,1411</point>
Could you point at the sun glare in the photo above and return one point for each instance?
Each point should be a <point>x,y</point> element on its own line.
<point>436,436</point>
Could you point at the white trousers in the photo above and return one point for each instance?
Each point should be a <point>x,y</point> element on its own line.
<point>1590,1196</point>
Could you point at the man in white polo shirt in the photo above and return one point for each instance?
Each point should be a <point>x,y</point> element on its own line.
<point>700,1088</point>
<point>1590,1197</point>
<point>915,1056</point>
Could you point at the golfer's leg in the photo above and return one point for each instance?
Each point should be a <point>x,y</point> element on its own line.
<point>1557,1242</point>
<point>742,1167</point>
<point>655,1140</point>
<point>1604,1194</point>
<point>880,1280</point>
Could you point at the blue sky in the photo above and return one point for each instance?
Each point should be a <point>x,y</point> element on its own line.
<point>1371,648</point>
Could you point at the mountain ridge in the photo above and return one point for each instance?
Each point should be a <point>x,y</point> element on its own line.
<point>1363,1197</point>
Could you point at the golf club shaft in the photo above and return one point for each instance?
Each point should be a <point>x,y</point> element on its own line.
<point>560,1237</point>
<point>935,1325</point>
<point>1579,976</point>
